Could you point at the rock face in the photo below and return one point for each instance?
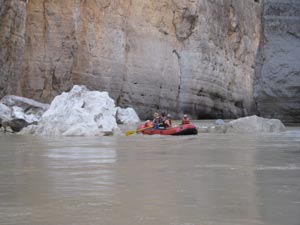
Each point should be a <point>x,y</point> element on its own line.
<point>12,45</point>
<point>177,56</point>
<point>277,88</point>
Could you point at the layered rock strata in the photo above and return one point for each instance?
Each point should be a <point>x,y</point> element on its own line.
<point>178,56</point>
<point>277,88</point>
<point>12,45</point>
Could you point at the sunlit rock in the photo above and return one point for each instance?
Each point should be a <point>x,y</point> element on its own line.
<point>24,103</point>
<point>18,112</point>
<point>127,116</point>
<point>17,107</point>
<point>79,112</point>
<point>5,112</point>
<point>254,124</point>
<point>219,122</point>
<point>251,124</point>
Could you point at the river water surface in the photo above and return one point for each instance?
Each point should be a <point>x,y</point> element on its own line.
<point>207,179</point>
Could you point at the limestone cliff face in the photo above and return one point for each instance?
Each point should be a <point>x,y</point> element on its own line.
<point>277,87</point>
<point>12,42</point>
<point>193,56</point>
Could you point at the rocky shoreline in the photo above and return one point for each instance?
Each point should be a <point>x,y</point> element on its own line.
<point>82,112</point>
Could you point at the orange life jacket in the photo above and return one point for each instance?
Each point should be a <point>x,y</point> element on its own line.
<point>148,123</point>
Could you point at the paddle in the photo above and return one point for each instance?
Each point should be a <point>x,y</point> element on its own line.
<point>130,132</point>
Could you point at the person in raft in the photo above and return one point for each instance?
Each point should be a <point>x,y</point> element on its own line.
<point>168,121</point>
<point>148,124</point>
<point>185,119</point>
<point>163,117</point>
<point>157,121</point>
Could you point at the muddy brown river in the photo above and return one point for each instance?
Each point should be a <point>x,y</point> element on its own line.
<point>207,179</point>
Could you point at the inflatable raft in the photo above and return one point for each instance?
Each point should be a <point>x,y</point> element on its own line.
<point>185,129</point>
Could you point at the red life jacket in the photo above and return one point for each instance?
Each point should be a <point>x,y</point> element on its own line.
<point>185,121</point>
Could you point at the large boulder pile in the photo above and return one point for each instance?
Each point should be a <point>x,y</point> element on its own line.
<point>79,112</point>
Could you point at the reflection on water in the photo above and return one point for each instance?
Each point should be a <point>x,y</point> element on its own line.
<point>87,155</point>
<point>216,179</point>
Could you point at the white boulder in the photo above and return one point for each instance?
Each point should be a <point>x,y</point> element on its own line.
<point>79,112</point>
<point>12,100</point>
<point>16,107</point>
<point>251,124</point>
<point>5,112</point>
<point>254,124</point>
<point>219,122</point>
<point>127,116</point>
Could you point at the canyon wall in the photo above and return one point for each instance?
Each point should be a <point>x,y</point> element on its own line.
<point>178,56</point>
<point>12,43</point>
<point>277,86</point>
